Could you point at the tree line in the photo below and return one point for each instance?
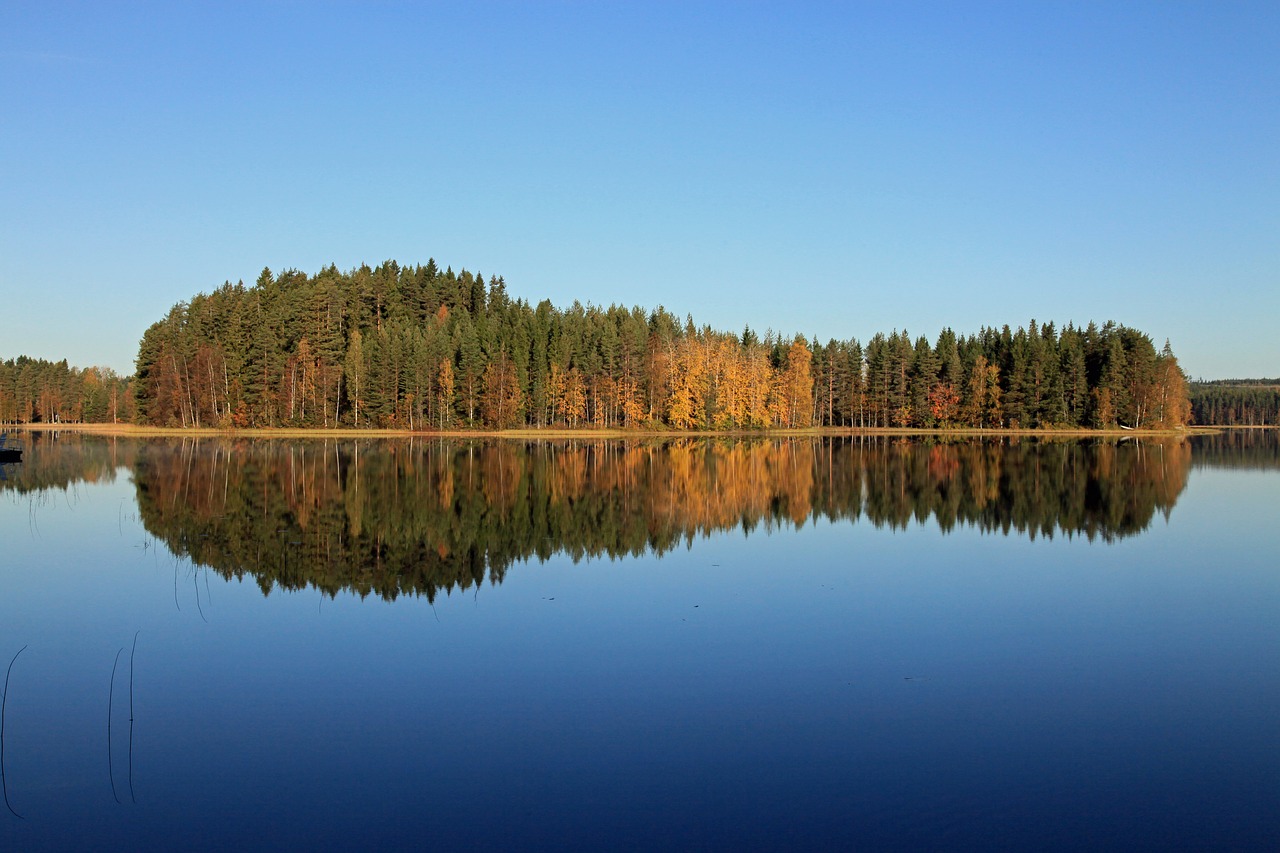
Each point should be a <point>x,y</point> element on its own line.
<point>1236,402</point>
<point>416,347</point>
<point>39,391</point>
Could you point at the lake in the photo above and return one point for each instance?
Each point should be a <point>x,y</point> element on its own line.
<point>759,644</point>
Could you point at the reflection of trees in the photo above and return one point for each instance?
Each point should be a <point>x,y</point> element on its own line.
<point>392,517</point>
<point>60,460</point>
<point>1255,449</point>
<point>1035,488</point>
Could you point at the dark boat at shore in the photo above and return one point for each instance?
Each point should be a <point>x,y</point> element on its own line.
<point>9,452</point>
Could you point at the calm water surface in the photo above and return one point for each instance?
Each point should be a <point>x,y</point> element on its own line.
<point>836,644</point>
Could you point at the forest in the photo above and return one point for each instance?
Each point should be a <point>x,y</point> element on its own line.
<point>420,348</point>
<point>1236,402</point>
<point>39,391</point>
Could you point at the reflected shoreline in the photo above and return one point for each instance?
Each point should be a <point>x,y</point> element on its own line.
<point>392,517</point>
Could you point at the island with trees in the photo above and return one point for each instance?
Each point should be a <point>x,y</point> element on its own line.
<point>418,348</point>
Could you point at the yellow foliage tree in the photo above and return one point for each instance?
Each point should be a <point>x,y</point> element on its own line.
<point>445,392</point>
<point>793,388</point>
<point>686,400</point>
<point>573,402</point>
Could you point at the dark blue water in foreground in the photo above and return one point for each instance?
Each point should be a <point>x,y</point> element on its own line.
<point>862,680</point>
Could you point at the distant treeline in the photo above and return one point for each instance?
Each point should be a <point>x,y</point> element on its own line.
<point>421,348</point>
<point>38,391</point>
<point>1236,402</point>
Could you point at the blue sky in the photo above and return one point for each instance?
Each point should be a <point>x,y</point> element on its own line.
<point>831,169</point>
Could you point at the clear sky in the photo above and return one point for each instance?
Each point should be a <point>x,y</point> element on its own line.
<point>832,169</point>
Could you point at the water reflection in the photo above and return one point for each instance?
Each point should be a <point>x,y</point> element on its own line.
<point>396,517</point>
<point>60,460</point>
<point>1251,449</point>
<point>790,693</point>
<point>391,517</point>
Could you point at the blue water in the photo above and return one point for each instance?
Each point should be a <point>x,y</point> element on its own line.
<point>836,686</point>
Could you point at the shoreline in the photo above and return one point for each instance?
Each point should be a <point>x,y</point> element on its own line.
<point>136,431</point>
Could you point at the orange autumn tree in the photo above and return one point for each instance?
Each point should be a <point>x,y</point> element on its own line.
<point>1172,399</point>
<point>793,388</point>
<point>686,400</point>
<point>944,404</point>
